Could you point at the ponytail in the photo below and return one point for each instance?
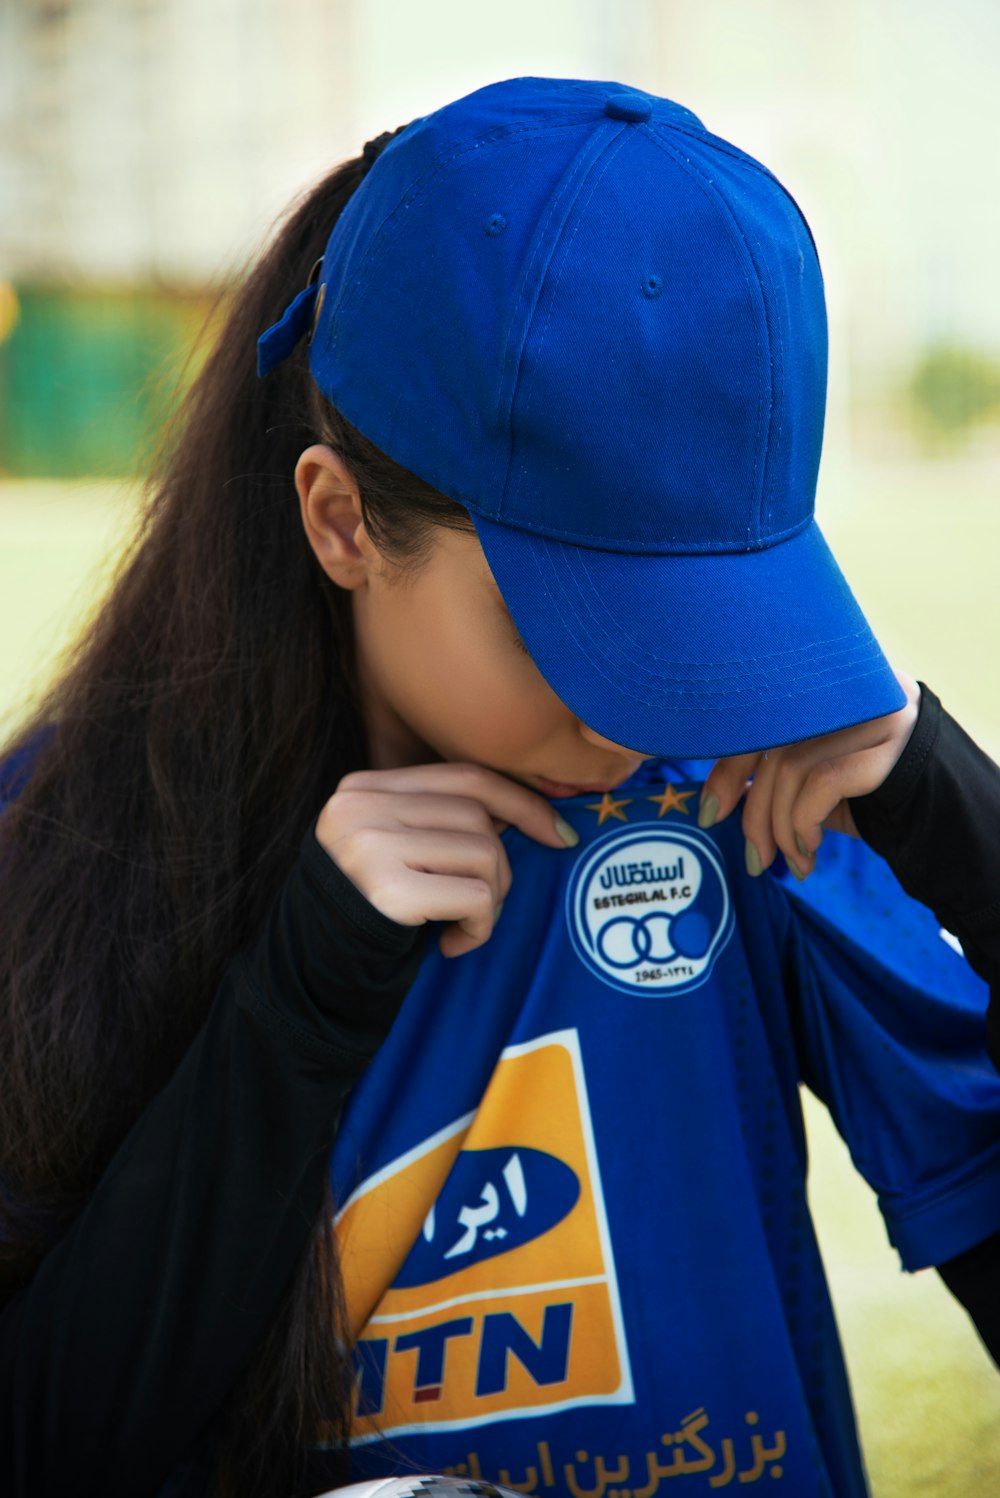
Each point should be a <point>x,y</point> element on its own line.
<point>201,720</point>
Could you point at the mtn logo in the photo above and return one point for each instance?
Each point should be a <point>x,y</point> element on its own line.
<point>492,1202</point>
<point>478,1271</point>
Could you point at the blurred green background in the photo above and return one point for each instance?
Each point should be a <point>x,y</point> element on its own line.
<point>89,375</point>
<point>146,147</point>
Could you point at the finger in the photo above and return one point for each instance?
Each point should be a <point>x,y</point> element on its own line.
<point>391,810</point>
<point>352,810</point>
<point>724,785</point>
<point>413,898</point>
<point>372,857</point>
<point>507,801</point>
<point>757,814</point>
<point>455,940</point>
<point>824,788</point>
<point>467,855</point>
<point>781,780</point>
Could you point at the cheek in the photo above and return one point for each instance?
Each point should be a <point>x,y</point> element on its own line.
<point>485,693</point>
<point>457,679</point>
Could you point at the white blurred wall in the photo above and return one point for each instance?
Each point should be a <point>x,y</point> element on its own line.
<point>158,138</point>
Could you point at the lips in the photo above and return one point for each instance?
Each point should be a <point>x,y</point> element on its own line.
<point>556,788</point>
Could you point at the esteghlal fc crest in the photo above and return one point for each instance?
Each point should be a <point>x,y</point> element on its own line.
<point>649,909</point>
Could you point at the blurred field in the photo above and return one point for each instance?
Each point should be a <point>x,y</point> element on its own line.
<point>57,543</point>
<point>919,543</point>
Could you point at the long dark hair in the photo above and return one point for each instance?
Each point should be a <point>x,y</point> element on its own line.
<point>202,720</point>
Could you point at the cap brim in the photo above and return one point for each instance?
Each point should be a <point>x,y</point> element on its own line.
<point>695,657</point>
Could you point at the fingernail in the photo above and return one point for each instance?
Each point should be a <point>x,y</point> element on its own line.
<point>754,865</point>
<point>496,913</point>
<point>801,846</point>
<point>708,811</point>
<point>795,868</point>
<point>569,834</point>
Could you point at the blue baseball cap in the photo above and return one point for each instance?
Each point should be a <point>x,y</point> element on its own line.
<point>600,328</point>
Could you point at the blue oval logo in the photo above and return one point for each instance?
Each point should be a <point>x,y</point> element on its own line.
<point>493,1201</point>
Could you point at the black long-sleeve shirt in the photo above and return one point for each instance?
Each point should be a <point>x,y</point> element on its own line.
<point>138,1322</point>
<point>936,821</point>
<point>115,1357</point>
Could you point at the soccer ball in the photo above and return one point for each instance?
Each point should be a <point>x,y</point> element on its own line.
<point>423,1485</point>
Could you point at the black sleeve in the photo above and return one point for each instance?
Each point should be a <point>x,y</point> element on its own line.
<point>936,822</point>
<point>974,1280</point>
<point>136,1324</point>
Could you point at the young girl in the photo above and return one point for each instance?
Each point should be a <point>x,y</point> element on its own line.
<point>522,504</point>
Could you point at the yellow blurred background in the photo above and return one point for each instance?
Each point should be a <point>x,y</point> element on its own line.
<point>146,146</point>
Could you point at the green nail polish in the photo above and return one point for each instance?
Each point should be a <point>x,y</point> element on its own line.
<point>754,865</point>
<point>801,846</point>
<point>496,913</point>
<point>569,834</point>
<point>795,869</point>
<point>708,811</point>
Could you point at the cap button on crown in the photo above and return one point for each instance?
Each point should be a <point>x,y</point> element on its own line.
<point>629,106</point>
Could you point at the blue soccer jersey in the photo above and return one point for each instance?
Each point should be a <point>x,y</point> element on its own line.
<point>574,1235</point>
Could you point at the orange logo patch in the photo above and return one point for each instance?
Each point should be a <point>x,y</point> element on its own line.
<point>478,1268</point>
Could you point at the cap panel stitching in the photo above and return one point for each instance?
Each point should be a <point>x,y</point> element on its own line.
<point>586,591</point>
<point>686,690</point>
<point>573,179</point>
<point>779,661</point>
<point>726,148</point>
<point>596,169</point>
<point>760,261</point>
<point>597,632</point>
<point>382,234</point>
<point>777,385</point>
<point>729,219</point>
<point>591,542</point>
<point>497,137</point>
<point>593,92</point>
<point>777,397</point>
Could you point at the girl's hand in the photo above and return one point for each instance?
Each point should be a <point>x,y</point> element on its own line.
<point>801,789</point>
<point>423,843</point>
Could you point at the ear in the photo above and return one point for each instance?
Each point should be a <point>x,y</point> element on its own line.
<point>331,516</point>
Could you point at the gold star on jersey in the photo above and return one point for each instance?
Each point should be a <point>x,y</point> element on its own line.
<point>672,800</point>
<point>608,807</point>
